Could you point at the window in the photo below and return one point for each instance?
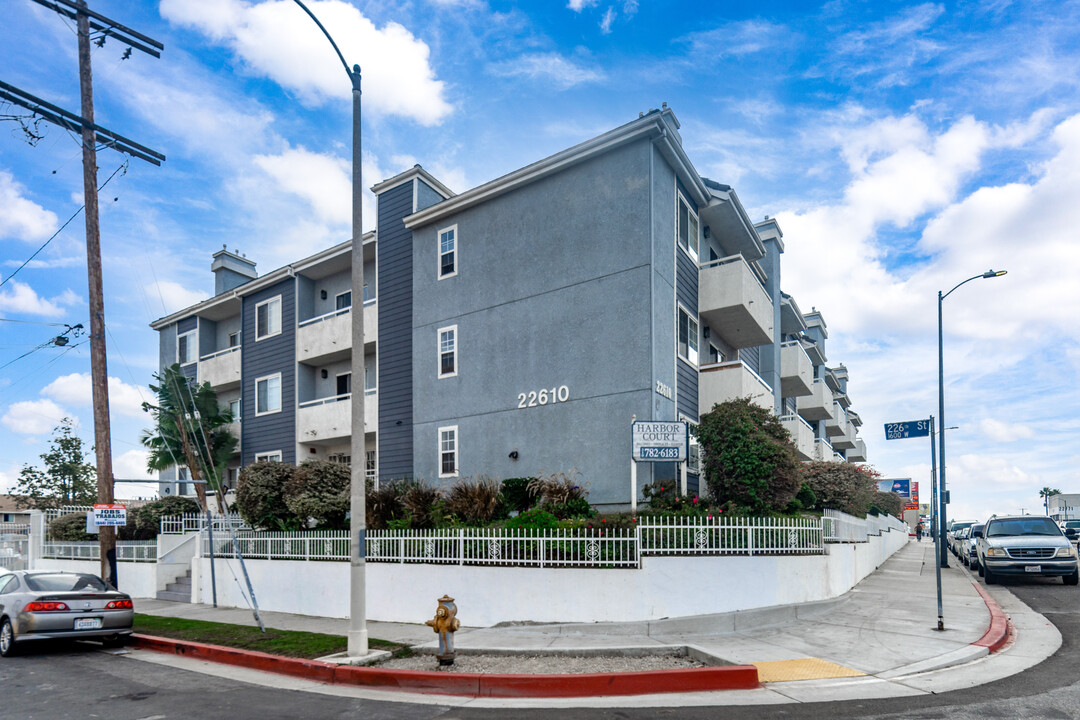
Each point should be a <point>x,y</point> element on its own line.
<point>183,487</point>
<point>693,450</point>
<point>187,348</point>
<point>340,458</point>
<point>234,339</point>
<point>234,409</point>
<point>371,376</point>
<point>448,465</point>
<point>268,394</point>
<point>688,337</point>
<point>274,456</point>
<point>448,351</point>
<point>448,252</point>
<point>232,476</point>
<point>687,230</point>
<point>344,384</point>
<point>268,318</point>
<point>715,356</point>
<point>343,300</point>
<point>369,465</point>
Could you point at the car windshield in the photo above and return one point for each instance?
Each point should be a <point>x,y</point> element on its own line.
<point>1072,524</point>
<point>960,526</point>
<point>1023,526</point>
<point>61,582</point>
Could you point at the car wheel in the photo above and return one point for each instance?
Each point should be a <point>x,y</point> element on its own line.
<point>1073,579</point>
<point>980,569</point>
<point>989,577</point>
<point>7,638</point>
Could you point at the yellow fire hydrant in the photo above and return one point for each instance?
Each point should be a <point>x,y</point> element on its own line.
<point>445,623</point>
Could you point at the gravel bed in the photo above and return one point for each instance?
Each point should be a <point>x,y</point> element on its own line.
<point>543,664</point>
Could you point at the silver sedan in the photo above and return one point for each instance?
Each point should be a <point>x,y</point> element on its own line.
<point>50,604</point>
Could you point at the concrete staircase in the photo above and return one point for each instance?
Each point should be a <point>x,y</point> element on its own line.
<point>179,591</point>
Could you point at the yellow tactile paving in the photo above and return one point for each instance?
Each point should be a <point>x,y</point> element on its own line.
<point>802,669</point>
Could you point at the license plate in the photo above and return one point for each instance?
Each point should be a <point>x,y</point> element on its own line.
<point>1033,568</point>
<point>87,623</point>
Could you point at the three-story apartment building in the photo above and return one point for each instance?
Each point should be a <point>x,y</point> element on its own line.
<point>520,326</point>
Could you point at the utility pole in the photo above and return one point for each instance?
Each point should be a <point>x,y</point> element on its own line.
<point>85,20</point>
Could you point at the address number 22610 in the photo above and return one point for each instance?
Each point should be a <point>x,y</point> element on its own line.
<point>547,396</point>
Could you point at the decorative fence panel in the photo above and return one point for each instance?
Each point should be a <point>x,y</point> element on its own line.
<point>194,522</point>
<point>53,513</point>
<point>730,536</point>
<point>126,550</point>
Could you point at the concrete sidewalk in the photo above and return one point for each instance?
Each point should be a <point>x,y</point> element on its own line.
<point>878,640</point>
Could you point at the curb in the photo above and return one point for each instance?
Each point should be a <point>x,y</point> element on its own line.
<point>997,634</point>
<point>730,677</point>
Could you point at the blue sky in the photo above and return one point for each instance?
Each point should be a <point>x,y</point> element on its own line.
<point>903,148</point>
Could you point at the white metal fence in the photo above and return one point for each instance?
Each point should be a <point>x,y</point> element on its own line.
<point>194,522</point>
<point>54,513</point>
<point>14,546</point>
<point>595,547</point>
<point>126,550</point>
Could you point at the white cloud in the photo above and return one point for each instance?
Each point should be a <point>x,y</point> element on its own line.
<point>997,431</point>
<point>324,181</point>
<point>546,67</point>
<point>33,417</point>
<point>19,297</point>
<point>579,5</point>
<point>75,389</point>
<point>20,218</point>
<point>131,465</point>
<point>173,295</point>
<point>607,20</point>
<point>275,39</point>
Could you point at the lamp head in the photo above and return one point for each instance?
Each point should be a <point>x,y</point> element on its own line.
<point>994,273</point>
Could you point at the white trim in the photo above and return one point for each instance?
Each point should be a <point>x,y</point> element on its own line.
<point>456,450</point>
<point>439,351</point>
<point>346,292</point>
<point>268,456</point>
<point>691,439</point>
<point>457,254</point>
<point>691,253</point>
<point>268,302</point>
<point>680,308</point>
<point>238,334</point>
<point>193,346</point>
<point>239,408</point>
<point>280,402</point>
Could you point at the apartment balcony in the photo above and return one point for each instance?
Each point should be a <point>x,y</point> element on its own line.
<point>720,382</point>
<point>327,420</point>
<point>836,425</point>
<point>734,304</point>
<point>858,454</point>
<point>328,338</point>
<point>802,435</point>
<point>819,404</point>
<point>846,441</point>
<point>796,371</point>
<point>221,369</point>
<point>823,451</point>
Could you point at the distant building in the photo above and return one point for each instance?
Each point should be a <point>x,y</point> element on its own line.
<point>10,512</point>
<point>1064,506</point>
<point>517,327</point>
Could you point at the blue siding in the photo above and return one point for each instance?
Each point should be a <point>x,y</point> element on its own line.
<point>686,292</point>
<point>395,269</point>
<point>276,431</point>
<point>187,325</point>
<point>751,357</point>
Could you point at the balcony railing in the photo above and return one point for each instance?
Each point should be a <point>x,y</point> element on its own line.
<point>802,435</point>
<point>720,382</point>
<point>819,404</point>
<point>733,302</point>
<point>325,316</point>
<point>221,369</point>
<point>796,370</point>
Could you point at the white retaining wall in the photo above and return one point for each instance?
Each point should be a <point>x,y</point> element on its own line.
<point>674,586</point>
<point>139,580</point>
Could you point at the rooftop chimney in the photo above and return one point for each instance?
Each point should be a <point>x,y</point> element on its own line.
<point>231,270</point>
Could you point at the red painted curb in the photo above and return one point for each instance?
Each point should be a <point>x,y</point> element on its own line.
<point>997,634</point>
<point>731,677</point>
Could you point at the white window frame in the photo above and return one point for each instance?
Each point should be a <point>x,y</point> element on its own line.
<point>229,339</point>
<point>692,442</point>
<point>270,456</point>
<point>439,351</point>
<point>455,450</point>
<point>339,295</point>
<point>693,340</point>
<point>193,346</point>
<point>264,378</point>
<point>439,256</point>
<point>693,245</point>
<point>239,402</point>
<point>271,333</point>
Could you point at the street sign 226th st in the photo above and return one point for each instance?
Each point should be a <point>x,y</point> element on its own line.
<point>909,429</point>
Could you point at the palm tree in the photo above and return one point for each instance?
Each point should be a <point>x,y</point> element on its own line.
<point>1046,493</point>
<point>191,430</point>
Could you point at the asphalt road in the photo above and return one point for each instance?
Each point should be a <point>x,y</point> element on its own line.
<point>79,682</point>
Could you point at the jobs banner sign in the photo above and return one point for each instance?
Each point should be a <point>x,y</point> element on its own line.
<point>115,515</point>
<point>659,441</point>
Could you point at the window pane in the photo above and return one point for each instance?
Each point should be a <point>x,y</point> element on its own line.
<point>343,300</point>
<point>275,316</point>
<point>260,396</point>
<point>683,214</point>
<point>344,384</point>
<point>683,334</point>
<point>261,316</point>
<point>182,349</point>
<point>447,365</point>
<point>447,263</point>
<point>274,393</point>
<point>234,339</point>
<point>693,235</point>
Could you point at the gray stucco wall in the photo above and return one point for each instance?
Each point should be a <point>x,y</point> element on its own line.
<point>552,290</point>
<point>274,431</point>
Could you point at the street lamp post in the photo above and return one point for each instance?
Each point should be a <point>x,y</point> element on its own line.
<point>358,635</point>
<point>943,556</point>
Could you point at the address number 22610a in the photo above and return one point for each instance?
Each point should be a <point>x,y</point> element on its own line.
<point>547,396</point>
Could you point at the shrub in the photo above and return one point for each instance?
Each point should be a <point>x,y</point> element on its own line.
<point>474,500</point>
<point>260,496</point>
<point>887,503</point>
<point>574,508</point>
<point>422,504</point>
<point>805,499</point>
<point>384,506</point>
<point>516,495</point>
<point>319,490</point>
<point>842,486</point>
<point>533,519</point>
<point>70,528</point>
<point>557,488</point>
<point>748,458</point>
<point>665,497</point>
<point>148,517</point>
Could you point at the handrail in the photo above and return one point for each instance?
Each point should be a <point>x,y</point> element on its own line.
<point>226,351</point>
<point>324,316</point>
<point>798,417</point>
<point>325,400</point>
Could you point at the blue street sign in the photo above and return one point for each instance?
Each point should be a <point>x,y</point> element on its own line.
<point>909,429</point>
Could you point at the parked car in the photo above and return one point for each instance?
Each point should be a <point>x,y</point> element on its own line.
<point>954,528</point>
<point>1026,545</point>
<point>959,537</point>
<point>970,555</point>
<point>48,604</point>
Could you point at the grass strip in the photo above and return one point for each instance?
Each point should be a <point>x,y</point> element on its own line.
<point>288,643</point>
